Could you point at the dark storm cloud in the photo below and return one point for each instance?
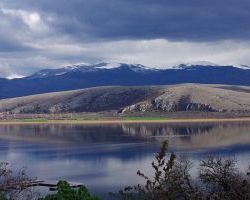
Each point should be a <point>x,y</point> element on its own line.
<point>9,43</point>
<point>146,19</point>
<point>53,33</point>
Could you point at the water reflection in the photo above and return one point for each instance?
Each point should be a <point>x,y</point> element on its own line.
<point>180,135</point>
<point>67,133</point>
<point>193,136</point>
<point>106,157</point>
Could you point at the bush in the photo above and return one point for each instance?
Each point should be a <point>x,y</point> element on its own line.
<point>66,192</point>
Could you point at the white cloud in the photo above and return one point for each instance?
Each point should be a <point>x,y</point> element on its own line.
<point>156,53</point>
<point>32,19</point>
<point>164,53</point>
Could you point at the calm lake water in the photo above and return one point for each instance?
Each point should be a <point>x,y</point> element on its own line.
<point>107,157</point>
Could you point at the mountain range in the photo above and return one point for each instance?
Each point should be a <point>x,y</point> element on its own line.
<point>110,74</point>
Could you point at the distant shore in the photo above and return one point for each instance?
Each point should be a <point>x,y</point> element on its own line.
<point>122,121</point>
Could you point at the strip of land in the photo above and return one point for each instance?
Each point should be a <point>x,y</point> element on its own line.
<point>123,121</point>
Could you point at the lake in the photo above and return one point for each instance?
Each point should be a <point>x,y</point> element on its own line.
<point>106,157</point>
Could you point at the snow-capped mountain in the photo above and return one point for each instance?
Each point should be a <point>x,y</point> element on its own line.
<point>114,66</point>
<point>106,74</point>
<point>85,68</point>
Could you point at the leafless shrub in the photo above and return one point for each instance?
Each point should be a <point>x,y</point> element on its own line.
<point>16,184</point>
<point>223,180</point>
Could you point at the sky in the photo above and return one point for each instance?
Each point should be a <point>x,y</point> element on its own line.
<point>156,33</point>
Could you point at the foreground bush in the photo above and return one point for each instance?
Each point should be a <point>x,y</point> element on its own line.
<point>218,180</point>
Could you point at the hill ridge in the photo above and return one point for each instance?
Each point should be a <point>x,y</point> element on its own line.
<point>135,99</point>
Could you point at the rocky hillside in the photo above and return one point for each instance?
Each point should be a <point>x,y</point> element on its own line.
<point>121,99</point>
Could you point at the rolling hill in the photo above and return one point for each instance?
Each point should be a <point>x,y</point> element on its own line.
<point>137,99</point>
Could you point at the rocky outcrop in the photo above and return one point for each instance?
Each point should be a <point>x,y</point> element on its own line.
<point>139,107</point>
<point>191,97</point>
<point>166,106</point>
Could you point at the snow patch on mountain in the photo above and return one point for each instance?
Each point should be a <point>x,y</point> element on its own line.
<point>14,76</point>
<point>244,67</point>
<point>106,65</point>
<point>189,65</point>
<point>75,66</point>
<point>200,63</point>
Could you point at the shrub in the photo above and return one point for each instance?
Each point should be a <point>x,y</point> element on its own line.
<point>66,192</point>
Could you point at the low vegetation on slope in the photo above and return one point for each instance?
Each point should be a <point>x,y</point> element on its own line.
<point>186,97</point>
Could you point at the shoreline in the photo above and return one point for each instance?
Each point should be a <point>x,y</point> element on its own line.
<point>124,121</point>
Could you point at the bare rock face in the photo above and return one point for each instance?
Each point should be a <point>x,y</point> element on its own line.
<point>199,107</point>
<point>192,97</point>
<point>141,107</point>
<point>167,106</point>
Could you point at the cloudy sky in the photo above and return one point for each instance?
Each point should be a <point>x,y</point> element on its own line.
<point>160,33</point>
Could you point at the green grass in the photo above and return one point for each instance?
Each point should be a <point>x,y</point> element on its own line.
<point>93,119</point>
<point>145,118</point>
<point>34,120</point>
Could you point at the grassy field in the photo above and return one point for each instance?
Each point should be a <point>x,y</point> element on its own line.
<point>144,118</point>
<point>123,120</point>
<point>33,120</point>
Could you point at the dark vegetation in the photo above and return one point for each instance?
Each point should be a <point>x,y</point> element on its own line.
<point>65,191</point>
<point>218,179</point>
